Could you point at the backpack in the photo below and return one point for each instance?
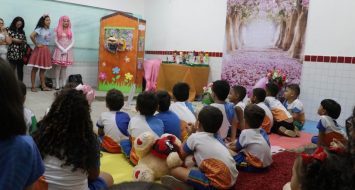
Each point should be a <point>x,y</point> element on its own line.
<point>76,79</point>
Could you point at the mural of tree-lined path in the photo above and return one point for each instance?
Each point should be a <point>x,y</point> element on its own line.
<point>262,35</point>
<point>246,67</point>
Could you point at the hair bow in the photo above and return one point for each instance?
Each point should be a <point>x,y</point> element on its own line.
<point>318,154</point>
<point>45,15</point>
<point>88,91</point>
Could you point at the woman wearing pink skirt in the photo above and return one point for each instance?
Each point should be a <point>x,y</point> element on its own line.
<point>41,56</point>
<point>63,53</point>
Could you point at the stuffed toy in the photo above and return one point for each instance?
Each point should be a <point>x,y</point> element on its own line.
<point>156,156</point>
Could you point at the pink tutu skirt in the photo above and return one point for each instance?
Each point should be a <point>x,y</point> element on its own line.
<point>62,59</point>
<point>41,58</point>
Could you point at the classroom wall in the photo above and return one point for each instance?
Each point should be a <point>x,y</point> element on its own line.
<point>132,6</point>
<point>329,69</point>
<point>86,27</point>
<point>186,25</point>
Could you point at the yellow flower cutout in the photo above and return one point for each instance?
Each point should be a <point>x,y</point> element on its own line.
<point>128,76</point>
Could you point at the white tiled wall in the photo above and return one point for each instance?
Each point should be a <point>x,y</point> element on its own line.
<point>328,80</point>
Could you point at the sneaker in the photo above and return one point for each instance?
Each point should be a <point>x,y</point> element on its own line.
<point>287,132</point>
<point>174,183</point>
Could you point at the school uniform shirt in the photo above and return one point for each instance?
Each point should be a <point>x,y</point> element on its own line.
<point>295,107</point>
<point>21,163</point>
<point>228,112</point>
<point>140,124</point>
<point>115,125</point>
<point>278,111</point>
<point>171,123</point>
<point>61,177</point>
<point>212,158</point>
<point>268,121</point>
<point>184,111</point>
<point>241,105</point>
<point>256,142</point>
<point>30,120</point>
<point>327,125</point>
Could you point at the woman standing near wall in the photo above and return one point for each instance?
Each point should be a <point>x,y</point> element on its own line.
<point>4,40</point>
<point>41,56</point>
<point>63,53</point>
<point>16,49</point>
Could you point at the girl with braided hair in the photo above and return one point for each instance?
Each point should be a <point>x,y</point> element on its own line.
<point>69,146</point>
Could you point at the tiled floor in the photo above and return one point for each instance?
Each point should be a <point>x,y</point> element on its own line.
<point>38,102</point>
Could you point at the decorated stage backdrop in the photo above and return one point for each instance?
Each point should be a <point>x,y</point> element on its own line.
<point>262,35</point>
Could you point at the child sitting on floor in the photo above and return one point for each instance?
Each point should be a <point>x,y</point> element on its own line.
<point>113,125</point>
<point>216,167</point>
<point>181,107</point>
<point>220,91</point>
<point>329,110</point>
<point>321,170</point>
<point>170,119</point>
<point>20,161</point>
<point>69,147</point>
<point>294,105</point>
<point>147,104</point>
<point>236,96</point>
<point>253,146</point>
<point>258,98</point>
<point>30,118</point>
<point>283,121</point>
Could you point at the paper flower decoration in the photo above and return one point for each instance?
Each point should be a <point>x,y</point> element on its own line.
<point>115,70</point>
<point>207,94</point>
<point>102,76</point>
<point>277,76</point>
<point>127,59</point>
<point>128,76</point>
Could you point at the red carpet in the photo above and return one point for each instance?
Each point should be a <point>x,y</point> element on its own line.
<point>290,143</point>
<point>275,178</point>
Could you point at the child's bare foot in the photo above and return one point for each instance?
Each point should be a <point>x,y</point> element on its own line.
<point>174,183</point>
<point>287,132</point>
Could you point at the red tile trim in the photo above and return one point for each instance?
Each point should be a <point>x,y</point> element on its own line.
<point>329,59</point>
<point>211,54</point>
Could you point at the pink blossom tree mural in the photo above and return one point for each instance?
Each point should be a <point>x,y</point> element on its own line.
<point>262,35</point>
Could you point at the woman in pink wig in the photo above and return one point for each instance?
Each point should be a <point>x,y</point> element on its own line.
<point>63,53</point>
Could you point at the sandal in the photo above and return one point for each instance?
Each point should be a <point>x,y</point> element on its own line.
<point>45,89</point>
<point>34,89</point>
<point>287,132</point>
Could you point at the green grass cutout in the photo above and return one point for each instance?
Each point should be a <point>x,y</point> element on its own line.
<point>123,87</point>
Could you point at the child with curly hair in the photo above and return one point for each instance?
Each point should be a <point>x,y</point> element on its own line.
<point>321,170</point>
<point>68,145</point>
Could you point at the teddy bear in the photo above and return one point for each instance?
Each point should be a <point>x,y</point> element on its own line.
<point>156,156</point>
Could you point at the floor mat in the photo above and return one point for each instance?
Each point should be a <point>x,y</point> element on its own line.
<point>290,143</point>
<point>118,166</point>
<point>275,178</point>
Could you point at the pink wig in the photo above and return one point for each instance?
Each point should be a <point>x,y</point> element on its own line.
<point>59,30</point>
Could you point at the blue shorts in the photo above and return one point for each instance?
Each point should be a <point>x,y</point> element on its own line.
<point>199,181</point>
<point>126,147</point>
<point>98,184</point>
<point>314,140</point>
